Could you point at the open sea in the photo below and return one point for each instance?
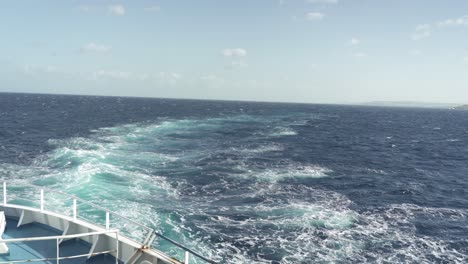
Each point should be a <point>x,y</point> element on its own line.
<point>245,182</point>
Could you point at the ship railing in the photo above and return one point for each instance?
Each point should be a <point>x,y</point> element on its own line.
<point>187,252</point>
<point>58,240</point>
<point>69,205</point>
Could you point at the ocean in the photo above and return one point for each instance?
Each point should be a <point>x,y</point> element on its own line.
<point>247,182</point>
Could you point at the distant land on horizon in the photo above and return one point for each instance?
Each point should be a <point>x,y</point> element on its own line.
<point>414,104</point>
<point>461,107</point>
<point>457,106</point>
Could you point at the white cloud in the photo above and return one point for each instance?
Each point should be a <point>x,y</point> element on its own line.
<point>236,52</point>
<point>117,10</point>
<point>239,64</point>
<point>462,21</point>
<point>96,48</point>
<point>354,42</point>
<point>465,59</point>
<point>208,77</point>
<point>422,31</point>
<point>153,8</point>
<point>315,16</point>
<point>86,8</point>
<point>40,69</point>
<point>162,77</point>
<point>323,1</point>
<point>119,75</point>
<point>169,76</point>
<point>415,52</point>
<point>360,54</point>
<point>425,30</point>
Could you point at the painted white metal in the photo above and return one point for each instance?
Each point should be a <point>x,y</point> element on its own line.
<point>42,200</point>
<point>65,231</point>
<point>3,247</point>
<point>58,251</point>
<point>74,209</point>
<point>4,194</point>
<point>61,222</point>
<point>187,256</point>
<point>28,239</point>
<point>117,247</point>
<point>57,239</point>
<point>127,247</point>
<point>25,218</point>
<point>107,220</point>
<point>93,247</point>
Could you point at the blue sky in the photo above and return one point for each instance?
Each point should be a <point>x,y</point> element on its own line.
<point>318,51</point>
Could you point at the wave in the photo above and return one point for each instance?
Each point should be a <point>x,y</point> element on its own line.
<point>299,224</point>
<point>217,186</point>
<point>290,170</point>
<point>282,131</point>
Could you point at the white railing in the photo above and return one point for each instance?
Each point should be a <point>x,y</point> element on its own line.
<point>145,237</point>
<point>58,239</point>
<point>141,237</point>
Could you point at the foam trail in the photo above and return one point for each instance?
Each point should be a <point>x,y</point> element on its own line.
<point>229,188</point>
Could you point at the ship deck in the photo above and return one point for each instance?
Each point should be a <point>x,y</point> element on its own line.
<point>47,248</point>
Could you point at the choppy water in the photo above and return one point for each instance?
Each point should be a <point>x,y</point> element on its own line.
<point>256,182</point>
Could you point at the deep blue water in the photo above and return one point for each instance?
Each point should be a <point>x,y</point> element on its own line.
<point>256,182</point>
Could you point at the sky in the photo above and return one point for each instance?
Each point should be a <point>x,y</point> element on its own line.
<point>314,51</point>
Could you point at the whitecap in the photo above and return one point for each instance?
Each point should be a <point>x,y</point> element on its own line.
<point>283,131</point>
<point>292,170</point>
<point>259,149</point>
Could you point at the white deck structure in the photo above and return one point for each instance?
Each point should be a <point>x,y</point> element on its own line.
<point>124,241</point>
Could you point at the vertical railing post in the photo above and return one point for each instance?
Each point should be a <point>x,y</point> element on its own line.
<point>42,200</point>
<point>187,255</point>
<point>4,194</point>
<point>74,210</point>
<point>117,247</point>
<point>58,251</point>
<point>107,220</point>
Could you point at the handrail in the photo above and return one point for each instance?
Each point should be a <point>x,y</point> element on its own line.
<point>91,204</point>
<point>57,259</point>
<point>184,248</point>
<point>28,239</point>
<point>149,237</point>
<point>61,238</point>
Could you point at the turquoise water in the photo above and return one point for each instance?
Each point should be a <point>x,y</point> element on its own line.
<point>252,182</point>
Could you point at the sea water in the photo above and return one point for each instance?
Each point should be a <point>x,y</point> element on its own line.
<point>244,182</point>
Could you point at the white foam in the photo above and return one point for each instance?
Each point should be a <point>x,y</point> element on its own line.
<point>323,229</point>
<point>283,131</point>
<point>291,227</point>
<point>258,150</point>
<point>304,224</point>
<point>290,170</point>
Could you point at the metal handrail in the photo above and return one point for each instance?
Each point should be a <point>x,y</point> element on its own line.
<point>148,230</point>
<point>92,205</point>
<point>184,248</point>
<point>61,238</point>
<point>149,237</point>
<point>27,239</point>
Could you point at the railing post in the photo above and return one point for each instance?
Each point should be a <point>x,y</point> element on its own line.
<point>58,251</point>
<point>107,220</point>
<point>187,255</point>
<point>4,194</point>
<point>74,210</point>
<point>117,247</point>
<point>42,200</point>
